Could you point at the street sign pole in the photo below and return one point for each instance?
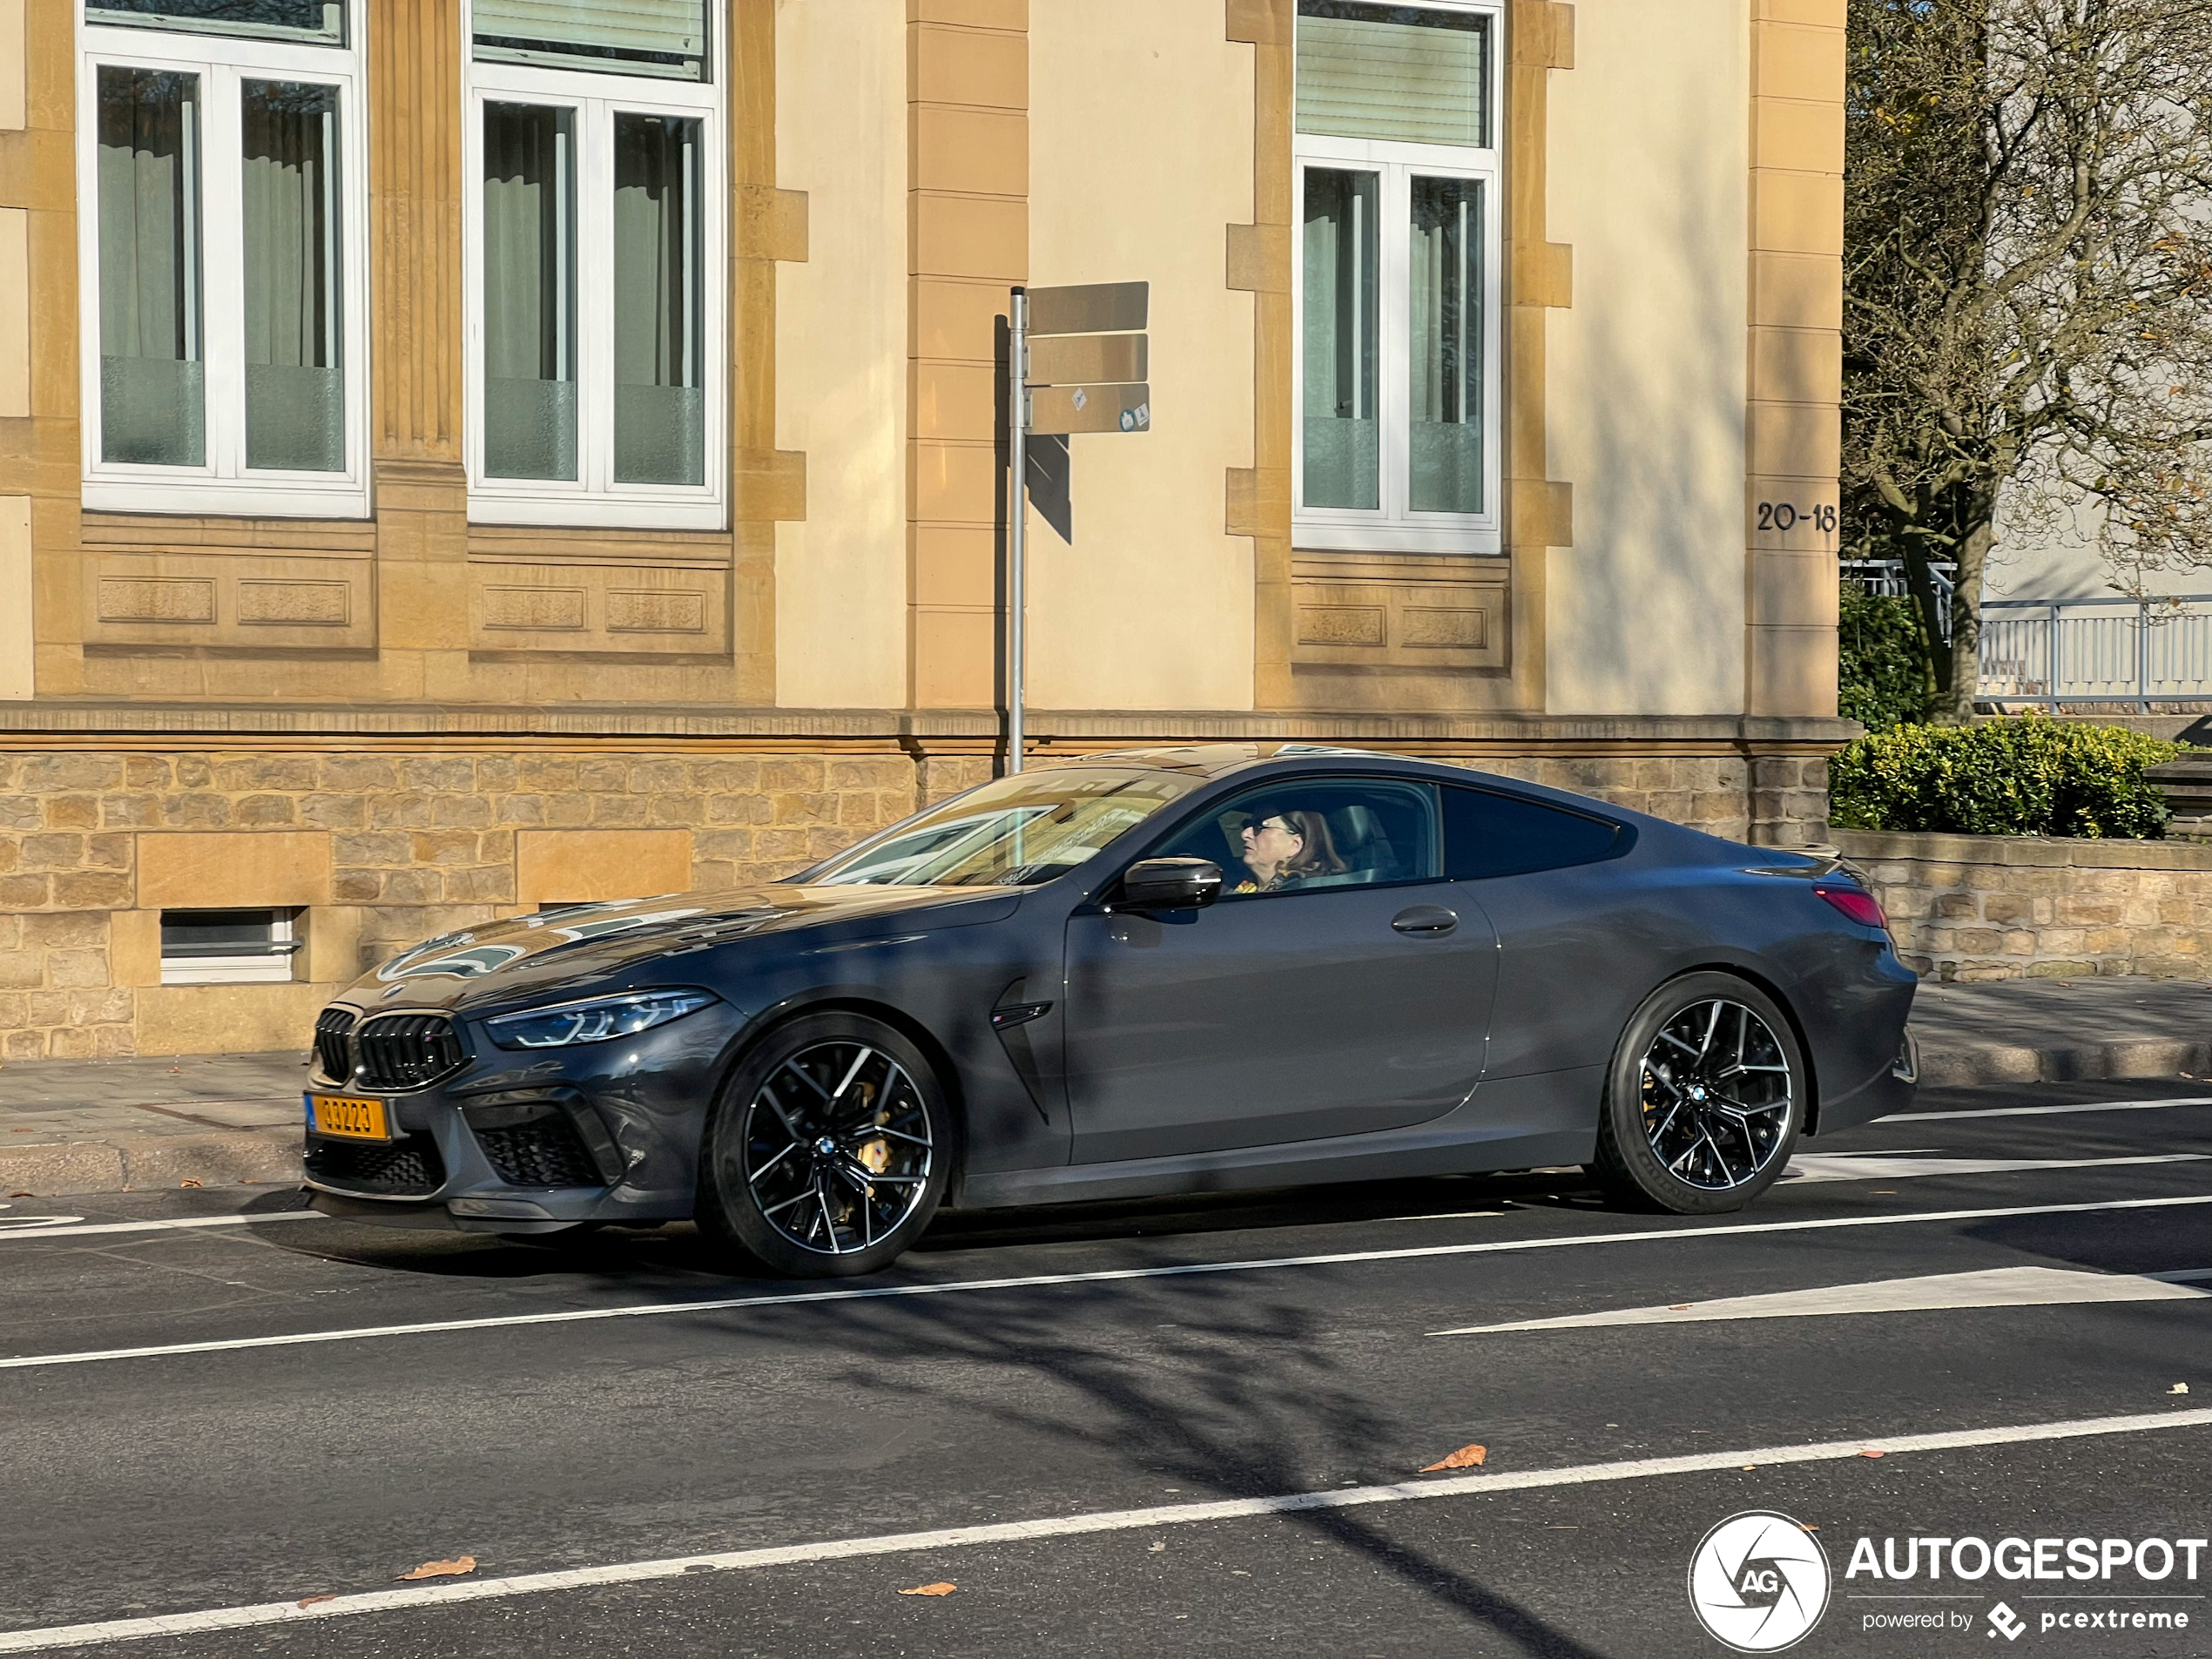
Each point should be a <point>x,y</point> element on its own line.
<point>1017,512</point>
<point>1090,377</point>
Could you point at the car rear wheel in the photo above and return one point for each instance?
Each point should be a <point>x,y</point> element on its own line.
<point>1704,1099</point>
<point>829,1150</point>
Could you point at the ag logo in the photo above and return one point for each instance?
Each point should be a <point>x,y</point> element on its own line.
<point>1759,1582</point>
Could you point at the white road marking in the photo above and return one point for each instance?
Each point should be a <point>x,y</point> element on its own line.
<point>1995,1287</point>
<point>16,1227</point>
<point>1104,1275</point>
<point>1882,1166</point>
<point>1110,1520</point>
<point>2043,1111</point>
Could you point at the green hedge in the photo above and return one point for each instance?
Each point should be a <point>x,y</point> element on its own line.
<point>1885,678</point>
<point>2023,775</point>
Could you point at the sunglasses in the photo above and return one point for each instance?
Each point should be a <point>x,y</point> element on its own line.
<point>1258,825</point>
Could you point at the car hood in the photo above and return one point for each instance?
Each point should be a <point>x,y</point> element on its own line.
<point>577,947</point>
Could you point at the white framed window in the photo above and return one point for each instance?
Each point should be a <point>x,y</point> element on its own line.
<point>223,236</point>
<point>1397,302</point>
<point>594,264</point>
<point>228,946</point>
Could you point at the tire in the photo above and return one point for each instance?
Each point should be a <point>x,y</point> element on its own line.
<point>1703,1101</point>
<point>828,1150</point>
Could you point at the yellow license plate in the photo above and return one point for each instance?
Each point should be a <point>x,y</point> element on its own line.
<point>347,1115</point>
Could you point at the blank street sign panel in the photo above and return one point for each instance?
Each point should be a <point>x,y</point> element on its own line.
<point>1069,359</point>
<point>1089,308</point>
<point>1091,408</point>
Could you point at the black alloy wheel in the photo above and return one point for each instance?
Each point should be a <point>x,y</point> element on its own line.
<point>829,1150</point>
<point>1704,1099</point>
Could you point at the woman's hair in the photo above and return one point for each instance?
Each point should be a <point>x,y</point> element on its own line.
<point>1319,856</point>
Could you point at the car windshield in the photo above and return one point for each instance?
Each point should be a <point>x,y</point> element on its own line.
<point>1015,832</point>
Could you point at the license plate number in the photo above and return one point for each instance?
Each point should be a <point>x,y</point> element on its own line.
<point>347,1117</point>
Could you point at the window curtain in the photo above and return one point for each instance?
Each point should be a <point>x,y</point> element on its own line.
<point>153,381</point>
<point>1342,434</point>
<point>296,405</point>
<point>1446,346</point>
<point>1397,72</point>
<point>530,283</point>
<point>660,408</point>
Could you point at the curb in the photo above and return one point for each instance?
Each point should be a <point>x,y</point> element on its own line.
<point>2144,1057</point>
<point>124,1163</point>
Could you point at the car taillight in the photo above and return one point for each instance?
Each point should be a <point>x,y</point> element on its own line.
<point>1860,906</point>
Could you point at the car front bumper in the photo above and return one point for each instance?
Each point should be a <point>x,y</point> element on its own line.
<point>535,1141</point>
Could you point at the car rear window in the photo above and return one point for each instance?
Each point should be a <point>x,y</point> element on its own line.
<point>1491,834</point>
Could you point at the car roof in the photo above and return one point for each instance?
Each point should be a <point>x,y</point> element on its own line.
<point>1220,760</point>
<point>1216,761</point>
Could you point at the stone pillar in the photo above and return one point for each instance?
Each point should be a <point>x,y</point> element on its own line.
<point>968,101</point>
<point>415,116</point>
<point>1794,422</point>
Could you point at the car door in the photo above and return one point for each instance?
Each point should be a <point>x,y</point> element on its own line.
<point>1575,945</point>
<point>1348,999</point>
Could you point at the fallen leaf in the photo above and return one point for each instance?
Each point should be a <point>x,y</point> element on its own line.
<point>443,1569</point>
<point>1748,1467</point>
<point>1467,1457</point>
<point>2179,1388</point>
<point>1678,1307</point>
<point>942,1588</point>
<point>1802,1526</point>
<point>309,1601</point>
<point>1873,1455</point>
<point>189,1181</point>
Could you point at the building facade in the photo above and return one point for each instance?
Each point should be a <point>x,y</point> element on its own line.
<point>458,456</point>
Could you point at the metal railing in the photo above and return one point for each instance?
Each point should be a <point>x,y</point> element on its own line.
<point>1884,579</point>
<point>2056,652</point>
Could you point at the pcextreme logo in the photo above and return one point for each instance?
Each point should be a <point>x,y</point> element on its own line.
<point>1759,1582</point>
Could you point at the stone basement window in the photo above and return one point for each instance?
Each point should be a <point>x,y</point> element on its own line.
<point>228,946</point>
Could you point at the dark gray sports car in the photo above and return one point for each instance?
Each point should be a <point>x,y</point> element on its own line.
<point>1162,970</point>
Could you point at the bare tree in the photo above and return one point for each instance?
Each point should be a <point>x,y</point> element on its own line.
<point>2027,288</point>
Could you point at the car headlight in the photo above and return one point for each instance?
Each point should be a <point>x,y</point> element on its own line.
<point>595,1020</point>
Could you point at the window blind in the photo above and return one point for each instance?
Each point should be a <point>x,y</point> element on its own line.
<point>664,38</point>
<point>320,23</point>
<point>1409,73</point>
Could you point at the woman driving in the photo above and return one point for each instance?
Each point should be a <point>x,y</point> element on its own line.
<point>1282,849</point>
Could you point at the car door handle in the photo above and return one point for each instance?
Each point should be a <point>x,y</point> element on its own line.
<point>1430,919</point>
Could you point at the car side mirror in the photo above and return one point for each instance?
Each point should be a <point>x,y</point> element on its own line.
<point>1170,884</point>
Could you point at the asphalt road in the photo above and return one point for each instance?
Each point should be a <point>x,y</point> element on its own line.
<point>1065,1378</point>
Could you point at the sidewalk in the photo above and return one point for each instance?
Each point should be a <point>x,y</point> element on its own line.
<point>2063,1030</point>
<point>83,1126</point>
<point>79,1126</point>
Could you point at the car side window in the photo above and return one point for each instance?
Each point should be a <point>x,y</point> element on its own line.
<point>1491,834</point>
<point>1302,834</point>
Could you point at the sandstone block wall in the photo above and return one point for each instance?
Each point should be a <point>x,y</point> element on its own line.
<point>1992,906</point>
<point>379,847</point>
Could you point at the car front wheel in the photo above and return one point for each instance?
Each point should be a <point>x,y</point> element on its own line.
<point>1704,1099</point>
<point>829,1150</point>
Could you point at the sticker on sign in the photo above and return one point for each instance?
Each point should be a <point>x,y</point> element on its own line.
<point>1091,408</point>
